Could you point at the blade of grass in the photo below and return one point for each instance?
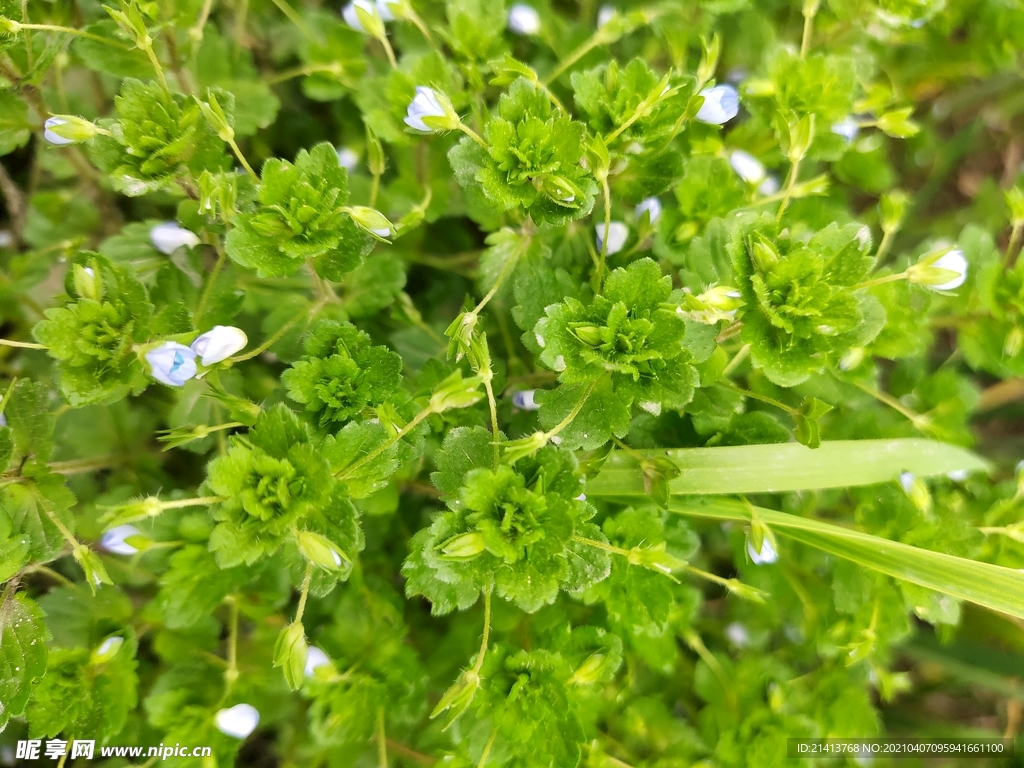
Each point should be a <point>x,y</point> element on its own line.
<point>787,466</point>
<point>991,586</point>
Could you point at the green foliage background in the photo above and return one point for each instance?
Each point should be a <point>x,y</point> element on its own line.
<point>517,482</point>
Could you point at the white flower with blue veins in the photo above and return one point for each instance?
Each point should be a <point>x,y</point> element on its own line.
<point>953,261</point>
<point>219,343</point>
<point>426,104</point>
<point>172,363</point>
<point>51,135</point>
<point>237,721</point>
<point>115,540</point>
<point>721,104</point>
<point>766,556</point>
<point>168,237</point>
<point>617,234</point>
<point>351,14</point>
<point>523,19</point>
<point>651,206</point>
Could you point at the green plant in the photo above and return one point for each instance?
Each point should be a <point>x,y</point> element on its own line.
<point>546,386</point>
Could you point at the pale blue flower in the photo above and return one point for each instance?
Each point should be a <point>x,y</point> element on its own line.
<point>172,363</point>
<point>721,104</point>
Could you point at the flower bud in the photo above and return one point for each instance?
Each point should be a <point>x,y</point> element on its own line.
<point>605,15</point>
<point>523,19</point>
<point>372,220</point>
<point>169,237</point>
<point>315,658</point>
<point>172,363</point>
<point>464,546</point>
<point>917,491</point>
<point>1014,342</point>
<point>237,721</point>
<point>652,207</point>
<point>721,104</point>
<point>765,555</point>
<point>106,650</point>
<point>617,234</point>
<point>513,450</point>
<point>762,253</point>
<point>87,285</point>
<point>219,343</point>
<point>555,188</point>
<point>90,562</point>
<point>1015,204</point>
<point>431,111</point>
<point>321,551</point>
<point>459,696</point>
<point>364,16</point>
<point>290,653</point>
<point>946,270</point>
<point>126,513</point>
<point>656,558</point>
<point>524,400</point>
<point>892,207</point>
<point>714,305</point>
<point>587,333</point>
<point>593,669</point>
<point>68,129</point>
<point>455,392</point>
<point>116,540</point>
<point>852,359</point>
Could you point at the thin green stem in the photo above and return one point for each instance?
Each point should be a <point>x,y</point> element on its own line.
<point>607,195</point>
<point>156,66</point>
<point>196,32</point>
<point>487,748</point>
<point>389,51</point>
<point>416,421</point>
<point>214,273</point>
<point>374,190</point>
<point>334,68</point>
<point>755,396</point>
<point>805,40</point>
<point>77,33</point>
<point>919,421</point>
<point>883,247</point>
<point>506,270</point>
<point>574,412</point>
<point>694,641</point>
<point>588,45</point>
<point>1013,246</point>
<point>493,407</point>
<point>200,501</point>
<point>297,20</point>
<point>382,740</point>
<point>609,548</point>
<point>241,158</point>
<point>880,280</point>
<point>306,581</point>
<point>280,332</point>
<point>473,135</point>
<point>487,632</point>
<point>737,359</point>
<point>21,344</point>
<point>231,673</point>
<point>787,193</point>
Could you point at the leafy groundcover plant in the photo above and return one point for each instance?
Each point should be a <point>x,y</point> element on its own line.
<point>559,384</point>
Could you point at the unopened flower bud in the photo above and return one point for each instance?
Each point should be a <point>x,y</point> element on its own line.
<point>747,167</point>
<point>237,721</point>
<point>605,14</point>
<point>106,650</point>
<point>122,540</point>
<point>651,206</point>
<point>321,551</point>
<point>219,343</point>
<point>86,284</point>
<point>90,562</point>
<point>364,16</point>
<point>459,696</point>
<point>944,271</point>
<point>656,558</point>
<point>593,668</point>
<point>431,111</point>
<point>169,237</point>
<point>917,491</point>
<point>513,450</point>
<point>587,333</point>
<point>372,220</point>
<point>126,513</point>
<point>455,392</point>
<point>523,19</point>
<point>721,104</point>
<point>1014,342</point>
<point>464,546</point>
<point>617,235</point>
<point>172,363</point>
<point>348,159</point>
<point>290,652</point>
<point>765,556</point>
<point>68,129</point>
<point>523,400</point>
